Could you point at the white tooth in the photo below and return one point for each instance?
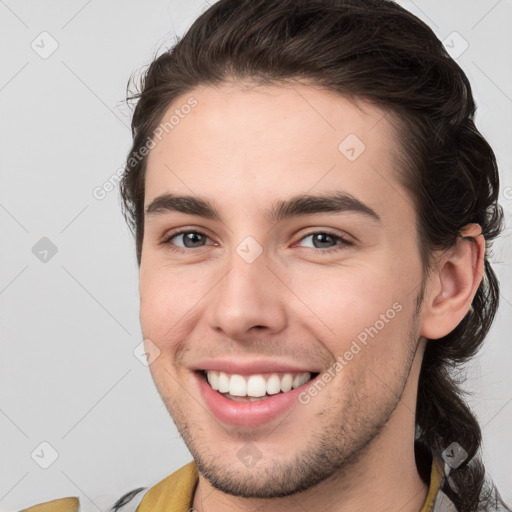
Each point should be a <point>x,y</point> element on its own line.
<point>273,384</point>
<point>247,398</point>
<point>304,378</point>
<point>256,386</point>
<point>300,379</point>
<point>237,386</point>
<point>213,378</point>
<point>223,383</point>
<point>286,382</point>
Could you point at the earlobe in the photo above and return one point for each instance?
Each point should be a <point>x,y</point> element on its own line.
<point>453,283</point>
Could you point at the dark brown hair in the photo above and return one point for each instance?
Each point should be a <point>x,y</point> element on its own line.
<point>376,51</point>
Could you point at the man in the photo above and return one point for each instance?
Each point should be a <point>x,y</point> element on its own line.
<point>313,207</point>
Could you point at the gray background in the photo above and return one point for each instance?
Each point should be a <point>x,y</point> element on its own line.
<point>68,373</point>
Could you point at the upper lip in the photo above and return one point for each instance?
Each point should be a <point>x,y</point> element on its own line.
<point>241,367</point>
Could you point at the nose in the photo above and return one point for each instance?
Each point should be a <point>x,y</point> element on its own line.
<point>247,299</point>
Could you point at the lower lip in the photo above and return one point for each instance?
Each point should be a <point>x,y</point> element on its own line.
<point>248,414</point>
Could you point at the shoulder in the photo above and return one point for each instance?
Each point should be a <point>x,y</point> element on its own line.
<point>178,488</point>
<point>60,505</point>
<point>126,503</point>
<point>175,492</point>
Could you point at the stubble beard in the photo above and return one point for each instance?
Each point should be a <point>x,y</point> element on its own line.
<point>332,450</point>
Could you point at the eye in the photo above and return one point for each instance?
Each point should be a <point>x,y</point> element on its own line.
<point>324,241</point>
<point>187,240</point>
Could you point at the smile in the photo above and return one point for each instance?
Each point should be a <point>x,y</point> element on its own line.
<point>278,393</point>
<point>257,386</point>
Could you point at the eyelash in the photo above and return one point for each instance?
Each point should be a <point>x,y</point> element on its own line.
<point>343,242</point>
<point>181,250</point>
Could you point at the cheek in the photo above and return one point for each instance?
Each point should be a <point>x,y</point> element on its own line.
<point>168,301</point>
<point>349,299</point>
<point>365,314</point>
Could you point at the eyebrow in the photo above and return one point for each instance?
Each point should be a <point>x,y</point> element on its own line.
<point>300,205</point>
<point>304,204</point>
<point>185,204</point>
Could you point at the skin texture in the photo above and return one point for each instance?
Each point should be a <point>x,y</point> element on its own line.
<point>242,148</point>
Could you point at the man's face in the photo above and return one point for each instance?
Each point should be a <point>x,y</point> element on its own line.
<point>278,283</point>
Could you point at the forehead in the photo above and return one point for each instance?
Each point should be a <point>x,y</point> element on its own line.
<point>242,143</point>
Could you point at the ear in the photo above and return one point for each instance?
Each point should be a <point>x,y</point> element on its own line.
<point>452,284</point>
